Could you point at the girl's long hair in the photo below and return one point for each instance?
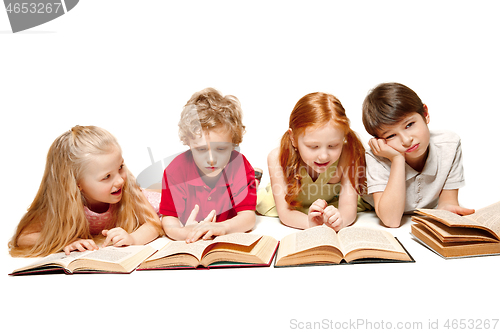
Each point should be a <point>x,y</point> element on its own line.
<point>316,110</point>
<point>58,207</point>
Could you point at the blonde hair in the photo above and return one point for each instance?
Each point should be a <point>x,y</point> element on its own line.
<point>314,110</point>
<point>58,207</point>
<point>207,110</point>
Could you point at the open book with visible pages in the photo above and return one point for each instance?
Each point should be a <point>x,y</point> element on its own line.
<point>105,260</point>
<point>321,245</point>
<point>452,236</point>
<point>232,250</point>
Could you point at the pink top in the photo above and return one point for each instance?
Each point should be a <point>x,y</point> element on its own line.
<point>100,221</point>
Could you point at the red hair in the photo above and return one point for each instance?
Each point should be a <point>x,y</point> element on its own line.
<point>316,110</point>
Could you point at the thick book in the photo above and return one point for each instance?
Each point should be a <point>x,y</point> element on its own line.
<point>105,260</point>
<point>232,250</point>
<point>453,236</point>
<point>321,245</point>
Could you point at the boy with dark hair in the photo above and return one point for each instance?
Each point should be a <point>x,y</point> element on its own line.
<point>408,166</point>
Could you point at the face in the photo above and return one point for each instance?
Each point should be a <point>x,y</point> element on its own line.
<point>212,151</point>
<point>102,181</point>
<point>409,137</point>
<point>319,147</point>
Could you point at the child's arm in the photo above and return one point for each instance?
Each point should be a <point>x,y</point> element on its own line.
<point>174,228</point>
<point>390,204</point>
<point>290,216</point>
<point>208,227</point>
<point>29,235</point>
<point>345,215</point>
<point>448,200</point>
<point>242,222</point>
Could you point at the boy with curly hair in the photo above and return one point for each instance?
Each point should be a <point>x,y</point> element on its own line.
<point>211,180</point>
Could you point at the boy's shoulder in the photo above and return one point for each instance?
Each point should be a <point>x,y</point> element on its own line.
<point>237,159</point>
<point>181,161</point>
<point>444,137</point>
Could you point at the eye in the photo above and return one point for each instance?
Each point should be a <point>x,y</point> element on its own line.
<point>121,166</point>
<point>390,136</point>
<point>312,147</point>
<point>106,177</point>
<point>333,146</point>
<point>410,124</point>
<point>201,149</point>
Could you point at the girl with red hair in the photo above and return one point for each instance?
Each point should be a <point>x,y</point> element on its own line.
<point>318,172</point>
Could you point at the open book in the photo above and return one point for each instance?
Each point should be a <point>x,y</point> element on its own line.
<point>105,260</point>
<point>232,250</point>
<point>322,245</point>
<point>452,235</point>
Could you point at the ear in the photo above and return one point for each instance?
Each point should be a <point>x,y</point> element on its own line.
<point>427,117</point>
<point>290,133</point>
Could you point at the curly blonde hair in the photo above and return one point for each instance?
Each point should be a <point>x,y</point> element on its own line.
<point>207,110</point>
<point>58,208</point>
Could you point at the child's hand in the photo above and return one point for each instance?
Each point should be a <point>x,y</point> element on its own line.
<point>457,209</point>
<point>206,228</point>
<point>81,245</point>
<point>315,213</point>
<point>192,217</point>
<point>332,218</point>
<point>117,237</point>
<point>382,149</point>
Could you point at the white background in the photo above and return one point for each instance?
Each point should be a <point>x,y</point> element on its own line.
<point>130,66</point>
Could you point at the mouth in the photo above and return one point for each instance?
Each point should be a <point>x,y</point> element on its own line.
<point>117,192</point>
<point>321,165</point>
<point>413,148</point>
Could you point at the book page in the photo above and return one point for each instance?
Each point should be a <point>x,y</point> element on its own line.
<point>364,238</point>
<point>239,238</point>
<point>488,216</point>
<point>113,254</point>
<point>175,247</point>
<point>308,239</point>
<point>453,234</point>
<point>447,217</point>
<point>59,258</point>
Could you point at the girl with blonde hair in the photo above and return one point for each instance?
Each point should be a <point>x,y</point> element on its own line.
<point>86,190</point>
<point>318,172</point>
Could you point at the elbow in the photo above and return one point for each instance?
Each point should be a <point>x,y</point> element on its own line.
<point>392,224</point>
<point>26,240</point>
<point>250,222</point>
<point>392,221</point>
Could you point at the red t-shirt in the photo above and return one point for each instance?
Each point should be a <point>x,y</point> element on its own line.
<point>183,188</point>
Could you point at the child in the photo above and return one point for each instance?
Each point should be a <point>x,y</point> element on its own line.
<point>409,167</point>
<point>211,180</point>
<point>318,167</point>
<point>86,190</point>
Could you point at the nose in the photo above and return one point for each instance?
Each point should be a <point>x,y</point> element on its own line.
<point>212,159</point>
<point>119,181</point>
<point>406,140</point>
<point>323,155</point>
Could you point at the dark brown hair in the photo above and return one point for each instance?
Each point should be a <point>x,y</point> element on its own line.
<point>387,104</point>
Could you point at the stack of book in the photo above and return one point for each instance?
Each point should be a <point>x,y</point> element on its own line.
<point>452,236</point>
